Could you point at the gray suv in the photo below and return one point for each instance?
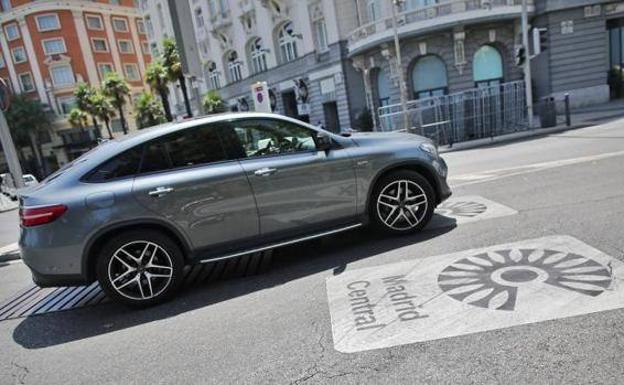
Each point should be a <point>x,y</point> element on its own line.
<point>133,212</point>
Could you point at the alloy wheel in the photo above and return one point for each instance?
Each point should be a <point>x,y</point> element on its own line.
<point>402,205</point>
<point>140,270</point>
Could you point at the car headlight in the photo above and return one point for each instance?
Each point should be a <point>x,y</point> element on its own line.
<point>429,148</point>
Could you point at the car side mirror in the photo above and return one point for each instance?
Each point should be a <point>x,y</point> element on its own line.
<point>323,141</point>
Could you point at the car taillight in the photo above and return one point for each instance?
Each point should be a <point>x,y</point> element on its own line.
<point>35,216</point>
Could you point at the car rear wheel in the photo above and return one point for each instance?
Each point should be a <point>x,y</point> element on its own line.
<point>402,202</point>
<point>140,268</point>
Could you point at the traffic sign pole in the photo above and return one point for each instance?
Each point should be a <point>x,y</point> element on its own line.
<point>5,138</point>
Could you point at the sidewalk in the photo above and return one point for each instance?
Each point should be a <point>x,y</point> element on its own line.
<point>581,117</point>
<point>7,204</point>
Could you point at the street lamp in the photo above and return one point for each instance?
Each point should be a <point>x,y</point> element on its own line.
<point>397,48</point>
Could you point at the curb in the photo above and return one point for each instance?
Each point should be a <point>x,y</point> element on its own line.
<point>9,253</point>
<point>537,132</point>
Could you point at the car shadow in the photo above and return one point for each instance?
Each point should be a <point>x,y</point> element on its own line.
<point>289,263</point>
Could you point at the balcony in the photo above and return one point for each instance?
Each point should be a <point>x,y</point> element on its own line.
<point>443,15</point>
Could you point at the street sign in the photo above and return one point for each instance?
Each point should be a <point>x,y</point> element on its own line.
<point>260,94</point>
<point>5,95</point>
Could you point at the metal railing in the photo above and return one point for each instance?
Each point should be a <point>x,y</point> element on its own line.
<point>428,12</point>
<point>472,114</point>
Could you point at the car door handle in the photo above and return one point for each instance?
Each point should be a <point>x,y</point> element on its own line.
<point>266,171</point>
<point>160,191</point>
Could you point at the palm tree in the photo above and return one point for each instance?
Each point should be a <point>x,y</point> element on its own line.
<point>28,118</point>
<point>149,111</point>
<point>156,77</point>
<point>83,94</point>
<point>78,118</point>
<point>116,88</point>
<point>103,109</point>
<point>212,102</point>
<point>173,65</point>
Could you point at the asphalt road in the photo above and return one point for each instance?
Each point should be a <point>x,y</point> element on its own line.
<point>276,327</point>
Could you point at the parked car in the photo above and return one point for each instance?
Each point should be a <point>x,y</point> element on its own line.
<point>134,211</point>
<point>8,184</point>
<point>3,181</point>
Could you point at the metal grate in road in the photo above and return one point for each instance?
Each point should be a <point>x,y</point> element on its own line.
<point>34,300</point>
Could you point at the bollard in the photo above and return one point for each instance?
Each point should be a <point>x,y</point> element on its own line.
<point>567,110</point>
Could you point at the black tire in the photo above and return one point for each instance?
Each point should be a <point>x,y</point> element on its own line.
<point>423,213</point>
<point>169,253</point>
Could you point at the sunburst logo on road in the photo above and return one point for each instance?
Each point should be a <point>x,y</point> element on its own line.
<point>461,209</point>
<point>491,280</point>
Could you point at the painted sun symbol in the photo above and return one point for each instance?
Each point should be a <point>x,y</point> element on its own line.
<point>462,209</point>
<point>491,280</point>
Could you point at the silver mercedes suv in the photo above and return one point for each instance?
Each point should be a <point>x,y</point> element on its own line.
<point>133,212</point>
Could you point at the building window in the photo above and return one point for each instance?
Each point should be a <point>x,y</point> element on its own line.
<point>26,82</point>
<point>410,5</point>
<point>154,49</point>
<point>145,47</point>
<point>54,46</point>
<point>99,45</point>
<point>212,76</point>
<point>383,88</point>
<point>12,31</point>
<point>95,22</point>
<point>19,55</point>
<point>429,77</point>
<point>149,26</point>
<point>218,8</point>
<point>48,22</point>
<point>373,9</point>
<point>161,16</point>
<point>234,67</point>
<point>6,5</point>
<point>62,75</point>
<point>258,56</point>
<point>2,62</point>
<point>104,68</point>
<point>120,25</point>
<point>66,104</point>
<point>114,2</point>
<point>125,46</point>
<point>320,30</point>
<point>132,72</point>
<point>287,40</point>
<point>487,66</point>
<point>199,18</point>
<point>141,27</point>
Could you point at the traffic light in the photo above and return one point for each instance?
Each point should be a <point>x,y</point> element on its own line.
<point>540,40</point>
<point>520,56</point>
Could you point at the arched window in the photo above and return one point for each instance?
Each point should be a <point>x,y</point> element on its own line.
<point>429,77</point>
<point>487,66</point>
<point>234,67</point>
<point>287,40</point>
<point>257,56</point>
<point>383,88</point>
<point>212,75</point>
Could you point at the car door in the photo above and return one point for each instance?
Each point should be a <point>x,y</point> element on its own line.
<point>187,178</point>
<point>295,185</point>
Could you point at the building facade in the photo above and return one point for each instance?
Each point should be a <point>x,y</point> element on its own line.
<point>48,47</point>
<point>297,47</point>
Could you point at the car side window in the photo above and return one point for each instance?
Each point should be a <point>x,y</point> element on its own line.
<point>266,137</point>
<point>189,147</point>
<point>123,165</point>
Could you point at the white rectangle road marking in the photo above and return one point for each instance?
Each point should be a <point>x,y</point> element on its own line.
<point>471,291</point>
<point>466,209</point>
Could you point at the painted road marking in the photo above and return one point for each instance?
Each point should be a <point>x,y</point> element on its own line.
<point>487,176</point>
<point>466,209</point>
<point>471,291</point>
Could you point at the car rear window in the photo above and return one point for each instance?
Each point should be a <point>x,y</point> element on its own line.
<point>123,165</point>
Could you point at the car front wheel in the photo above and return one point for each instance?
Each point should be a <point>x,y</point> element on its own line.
<point>140,268</point>
<point>402,202</point>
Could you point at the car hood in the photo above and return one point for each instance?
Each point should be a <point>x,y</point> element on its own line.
<point>368,138</point>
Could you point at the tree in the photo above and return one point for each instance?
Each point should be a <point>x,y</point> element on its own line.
<point>173,65</point>
<point>149,111</point>
<point>116,88</point>
<point>156,77</point>
<point>83,94</point>
<point>103,109</point>
<point>78,118</point>
<point>212,102</point>
<point>28,118</point>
